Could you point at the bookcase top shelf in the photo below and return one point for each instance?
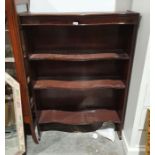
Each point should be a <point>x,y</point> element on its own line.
<point>81,19</point>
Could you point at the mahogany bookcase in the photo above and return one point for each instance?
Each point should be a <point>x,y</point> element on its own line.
<point>73,68</point>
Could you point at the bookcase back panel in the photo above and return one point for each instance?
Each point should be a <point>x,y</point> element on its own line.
<point>65,70</point>
<point>74,100</point>
<point>50,39</point>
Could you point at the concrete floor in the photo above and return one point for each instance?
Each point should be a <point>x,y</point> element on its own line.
<point>11,145</point>
<point>63,143</point>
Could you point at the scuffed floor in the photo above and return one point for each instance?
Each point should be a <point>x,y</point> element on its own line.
<point>63,143</point>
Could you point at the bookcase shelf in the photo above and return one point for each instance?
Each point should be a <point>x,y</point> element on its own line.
<point>79,57</point>
<point>89,84</point>
<point>80,117</point>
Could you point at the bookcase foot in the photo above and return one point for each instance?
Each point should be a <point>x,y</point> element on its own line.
<point>119,130</point>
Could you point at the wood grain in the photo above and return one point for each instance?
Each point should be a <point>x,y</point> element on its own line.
<point>14,34</point>
<point>78,118</point>
<point>78,57</point>
<point>89,84</point>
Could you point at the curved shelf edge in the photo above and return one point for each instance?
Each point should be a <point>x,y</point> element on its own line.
<point>87,84</point>
<point>79,57</point>
<point>79,117</point>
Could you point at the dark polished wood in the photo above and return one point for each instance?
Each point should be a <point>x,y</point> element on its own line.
<point>78,118</point>
<point>58,99</point>
<point>78,39</point>
<point>73,68</point>
<point>82,19</point>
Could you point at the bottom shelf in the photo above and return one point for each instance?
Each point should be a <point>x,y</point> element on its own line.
<point>78,118</point>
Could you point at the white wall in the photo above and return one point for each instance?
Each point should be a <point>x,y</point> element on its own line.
<point>134,140</point>
<point>45,6</point>
<point>139,86</point>
<point>123,5</point>
<point>72,5</point>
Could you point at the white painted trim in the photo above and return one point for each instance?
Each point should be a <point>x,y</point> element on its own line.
<point>18,112</point>
<point>131,150</point>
